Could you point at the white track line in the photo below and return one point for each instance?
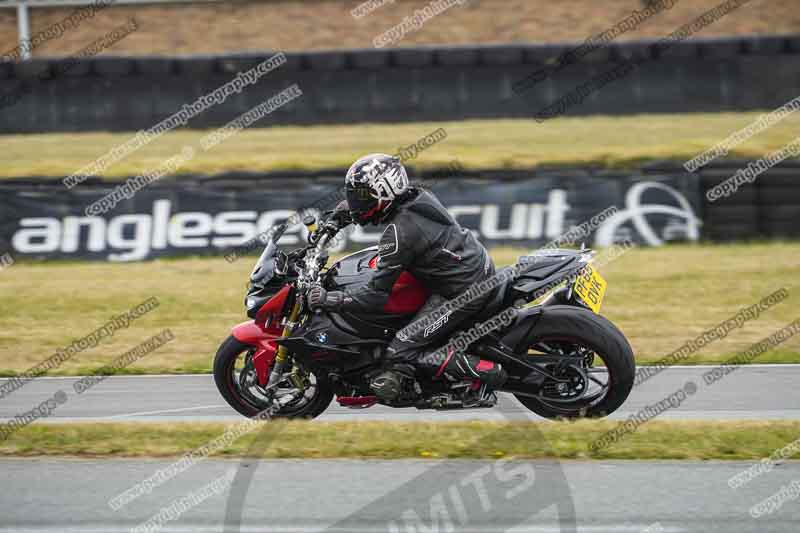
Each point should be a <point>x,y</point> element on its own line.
<point>198,528</point>
<point>142,413</point>
<point>138,376</point>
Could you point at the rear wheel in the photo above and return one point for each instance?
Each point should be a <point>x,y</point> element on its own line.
<point>301,394</point>
<point>595,365</point>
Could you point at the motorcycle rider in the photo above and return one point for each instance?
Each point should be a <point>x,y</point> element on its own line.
<point>424,239</point>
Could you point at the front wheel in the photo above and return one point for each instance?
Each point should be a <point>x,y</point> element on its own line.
<point>595,364</point>
<point>300,395</point>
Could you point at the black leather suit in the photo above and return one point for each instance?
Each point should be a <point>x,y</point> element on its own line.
<point>425,240</point>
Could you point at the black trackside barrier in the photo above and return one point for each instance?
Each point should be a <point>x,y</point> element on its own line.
<point>191,214</point>
<point>404,84</point>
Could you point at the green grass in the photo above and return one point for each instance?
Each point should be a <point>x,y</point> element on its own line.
<point>384,440</point>
<point>658,297</point>
<point>601,140</point>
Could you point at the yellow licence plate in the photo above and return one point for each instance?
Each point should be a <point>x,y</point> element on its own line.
<point>590,287</point>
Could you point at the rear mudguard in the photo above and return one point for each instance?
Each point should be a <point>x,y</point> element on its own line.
<point>263,340</point>
<point>520,331</point>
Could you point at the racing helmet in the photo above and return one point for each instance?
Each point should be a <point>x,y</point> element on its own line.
<point>372,185</point>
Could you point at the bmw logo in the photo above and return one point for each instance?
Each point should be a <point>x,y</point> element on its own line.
<point>322,337</point>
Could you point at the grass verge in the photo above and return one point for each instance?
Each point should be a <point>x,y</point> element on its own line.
<point>598,141</point>
<point>658,297</point>
<point>383,440</point>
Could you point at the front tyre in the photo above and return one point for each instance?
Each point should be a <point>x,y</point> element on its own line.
<point>235,378</point>
<point>584,339</point>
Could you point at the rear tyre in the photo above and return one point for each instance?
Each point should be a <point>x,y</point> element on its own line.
<point>584,330</point>
<point>248,400</point>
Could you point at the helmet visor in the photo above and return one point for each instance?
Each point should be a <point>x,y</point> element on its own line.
<point>362,204</point>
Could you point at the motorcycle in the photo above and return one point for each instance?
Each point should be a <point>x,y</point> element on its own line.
<point>563,359</point>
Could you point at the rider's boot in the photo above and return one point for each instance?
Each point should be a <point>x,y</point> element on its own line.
<point>448,363</point>
<point>444,363</point>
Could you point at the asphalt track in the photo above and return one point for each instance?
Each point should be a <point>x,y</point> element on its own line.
<point>756,392</point>
<point>45,495</point>
<point>287,496</point>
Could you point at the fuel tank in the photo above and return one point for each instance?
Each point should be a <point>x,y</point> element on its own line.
<point>357,269</point>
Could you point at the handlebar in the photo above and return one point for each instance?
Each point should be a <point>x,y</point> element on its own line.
<point>310,274</point>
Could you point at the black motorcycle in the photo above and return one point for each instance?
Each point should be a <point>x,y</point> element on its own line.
<point>563,359</point>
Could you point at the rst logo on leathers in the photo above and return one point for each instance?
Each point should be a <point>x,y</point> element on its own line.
<point>388,244</point>
<point>436,325</point>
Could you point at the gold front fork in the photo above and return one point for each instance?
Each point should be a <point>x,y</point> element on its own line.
<point>283,353</point>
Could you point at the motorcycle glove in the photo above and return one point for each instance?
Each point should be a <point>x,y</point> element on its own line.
<point>341,214</point>
<point>331,227</point>
<point>320,298</point>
